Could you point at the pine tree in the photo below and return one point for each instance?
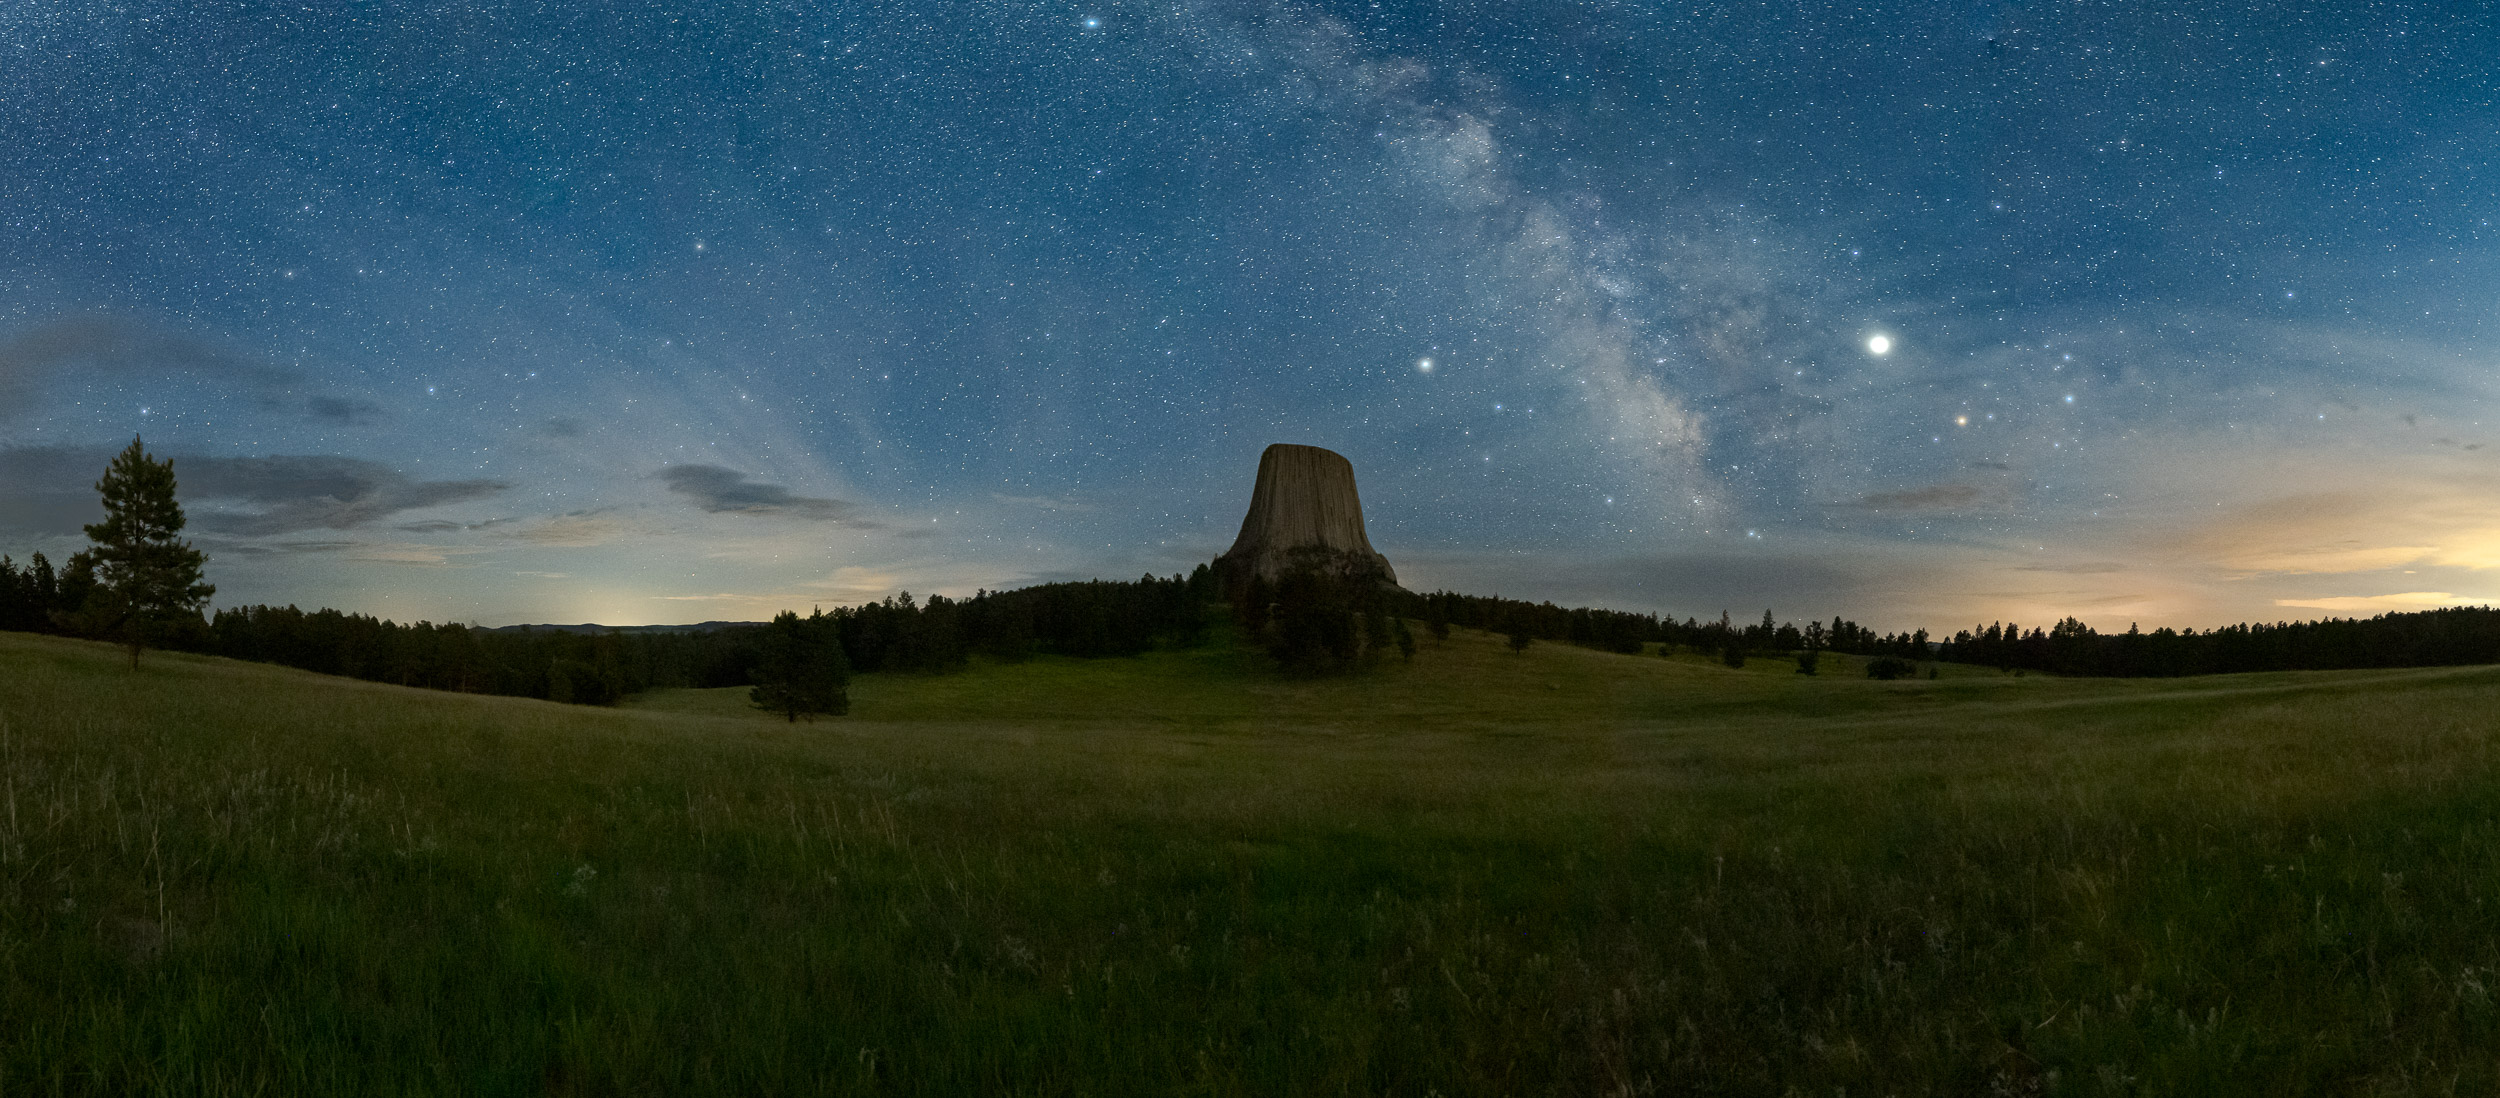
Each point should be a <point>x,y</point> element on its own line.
<point>1811,654</point>
<point>147,578</point>
<point>1732,641</point>
<point>17,600</point>
<point>801,671</point>
<point>46,588</point>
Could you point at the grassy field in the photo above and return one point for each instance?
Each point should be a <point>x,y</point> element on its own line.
<point>1553,872</point>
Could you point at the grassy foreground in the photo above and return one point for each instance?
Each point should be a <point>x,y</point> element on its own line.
<point>1557,872</point>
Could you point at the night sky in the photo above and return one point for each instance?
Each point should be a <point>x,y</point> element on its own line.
<point>1924,314</point>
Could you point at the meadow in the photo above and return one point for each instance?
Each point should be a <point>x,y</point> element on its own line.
<point>1559,871</point>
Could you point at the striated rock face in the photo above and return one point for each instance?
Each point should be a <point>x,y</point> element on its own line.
<point>1305,498</point>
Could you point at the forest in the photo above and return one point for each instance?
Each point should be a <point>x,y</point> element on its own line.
<point>899,633</point>
<point>1311,624</point>
<point>2424,638</point>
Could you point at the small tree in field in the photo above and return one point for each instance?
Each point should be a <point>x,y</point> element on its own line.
<point>146,578</point>
<point>801,670</point>
<point>1520,636</point>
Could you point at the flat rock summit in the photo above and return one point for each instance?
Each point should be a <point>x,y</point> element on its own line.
<point>1305,497</point>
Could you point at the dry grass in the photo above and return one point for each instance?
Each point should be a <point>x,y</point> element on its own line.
<point>1561,871</point>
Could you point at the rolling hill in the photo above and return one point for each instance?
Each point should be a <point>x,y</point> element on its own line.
<point>1559,871</point>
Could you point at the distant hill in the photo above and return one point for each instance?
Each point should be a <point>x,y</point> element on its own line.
<point>592,627</point>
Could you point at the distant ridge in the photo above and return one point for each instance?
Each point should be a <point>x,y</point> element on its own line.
<point>592,627</point>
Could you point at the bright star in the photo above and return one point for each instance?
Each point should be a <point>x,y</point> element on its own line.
<point>1879,345</point>
<point>1424,365</point>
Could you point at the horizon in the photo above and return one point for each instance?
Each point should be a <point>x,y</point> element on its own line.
<point>1919,317</point>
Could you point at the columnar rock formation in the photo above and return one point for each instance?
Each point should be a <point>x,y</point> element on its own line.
<point>1304,499</point>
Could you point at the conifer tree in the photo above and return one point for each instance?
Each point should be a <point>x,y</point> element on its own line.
<point>801,671</point>
<point>147,578</point>
<point>1732,641</point>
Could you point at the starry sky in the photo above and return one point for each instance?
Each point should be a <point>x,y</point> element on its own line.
<point>1924,314</point>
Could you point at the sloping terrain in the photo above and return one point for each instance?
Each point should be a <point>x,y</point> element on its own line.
<point>1555,871</point>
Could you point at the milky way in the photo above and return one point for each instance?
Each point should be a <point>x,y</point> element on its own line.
<point>1921,314</point>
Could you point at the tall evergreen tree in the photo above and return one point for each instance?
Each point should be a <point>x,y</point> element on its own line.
<point>800,670</point>
<point>147,578</point>
<point>1811,654</point>
<point>1732,641</point>
<point>18,609</point>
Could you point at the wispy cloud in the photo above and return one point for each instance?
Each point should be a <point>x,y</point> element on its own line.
<point>2383,604</point>
<point>114,346</point>
<point>727,491</point>
<point>1934,497</point>
<point>1045,503</point>
<point>578,530</point>
<point>311,492</point>
<point>50,490</point>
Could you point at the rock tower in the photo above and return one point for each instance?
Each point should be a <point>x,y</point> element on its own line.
<point>1305,498</point>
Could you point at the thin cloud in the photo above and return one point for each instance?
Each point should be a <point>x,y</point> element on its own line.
<point>578,530</point>
<point>1044,502</point>
<point>2383,604</point>
<point>51,490</point>
<point>312,492</point>
<point>341,410</point>
<point>118,346</point>
<point>439,526</point>
<point>1934,497</point>
<point>727,491</point>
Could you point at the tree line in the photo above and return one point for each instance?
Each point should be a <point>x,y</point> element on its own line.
<point>900,633</point>
<point>1315,622</point>
<point>1323,612</point>
<point>1620,631</point>
<point>2424,638</point>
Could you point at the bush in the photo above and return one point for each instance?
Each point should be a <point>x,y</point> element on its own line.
<point>1889,669</point>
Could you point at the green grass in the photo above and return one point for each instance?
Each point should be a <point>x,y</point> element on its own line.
<point>1554,872</point>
